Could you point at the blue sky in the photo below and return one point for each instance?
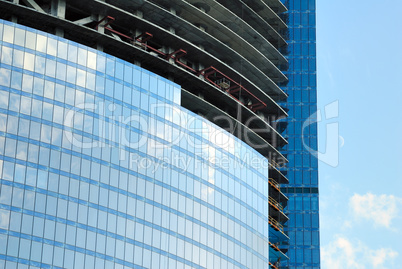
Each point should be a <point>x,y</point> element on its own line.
<point>360,66</point>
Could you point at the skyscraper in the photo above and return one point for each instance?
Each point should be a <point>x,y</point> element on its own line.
<point>150,134</point>
<point>301,133</point>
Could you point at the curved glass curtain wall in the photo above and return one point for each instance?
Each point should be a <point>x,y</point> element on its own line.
<point>101,167</point>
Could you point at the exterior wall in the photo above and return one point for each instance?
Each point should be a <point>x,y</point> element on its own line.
<point>102,168</point>
<point>302,209</point>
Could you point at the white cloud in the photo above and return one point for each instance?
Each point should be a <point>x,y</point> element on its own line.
<point>343,253</point>
<point>378,258</point>
<point>380,209</point>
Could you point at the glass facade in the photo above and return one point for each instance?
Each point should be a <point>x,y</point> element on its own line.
<point>102,168</point>
<point>302,172</point>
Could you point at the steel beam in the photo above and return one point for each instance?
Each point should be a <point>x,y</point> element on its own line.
<point>33,4</point>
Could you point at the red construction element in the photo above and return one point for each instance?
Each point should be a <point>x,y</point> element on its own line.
<point>211,74</point>
<point>275,247</point>
<point>109,20</point>
<point>273,266</point>
<point>275,204</point>
<point>276,228</point>
<point>176,55</point>
<point>275,224</point>
<point>236,90</point>
<point>274,184</point>
<point>144,37</point>
<point>142,40</point>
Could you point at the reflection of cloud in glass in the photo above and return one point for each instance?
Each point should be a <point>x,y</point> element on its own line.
<point>45,133</point>
<point>41,43</point>
<point>40,63</point>
<point>31,176</point>
<point>19,174</point>
<point>8,34</point>
<point>81,77</point>
<point>27,82</point>
<point>82,56</point>
<point>29,62</point>
<point>30,41</point>
<point>12,124</point>
<point>52,46</point>
<point>5,77</point>
<point>18,58</point>
<point>8,174</point>
<point>4,218</point>
<point>22,152</point>
<point>50,68</point>
<point>19,38</point>
<point>25,105</point>
<point>6,55</point>
<point>3,100</point>
<point>221,139</point>
<point>91,60</point>
<point>71,74</point>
